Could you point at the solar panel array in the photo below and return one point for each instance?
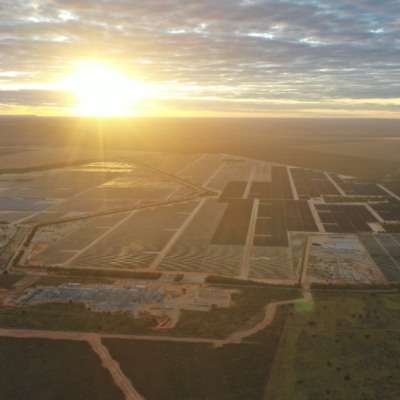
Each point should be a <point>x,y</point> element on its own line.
<point>277,217</point>
<point>311,183</point>
<point>394,189</point>
<point>358,188</point>
<point>219,260</point>
<point>345,218</point>
<point>234,225</point>
<point>278,188</point>
<point>388,212</point>
<point>384,249</point>
<point>213,239</point>
<point>271,263</point>
<point>233,190</point>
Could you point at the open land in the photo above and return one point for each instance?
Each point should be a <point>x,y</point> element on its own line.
<point>345,346</point>
<point>53,369</point>
<point>206,246</point>
<point>382,149</point>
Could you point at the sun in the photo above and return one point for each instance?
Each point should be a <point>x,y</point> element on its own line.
<point>101,90</point>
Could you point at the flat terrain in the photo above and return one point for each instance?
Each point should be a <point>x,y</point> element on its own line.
<point>218,323</point>
<point>382,149</point>
<point>346,346</point>
<point>172,213</point>
<point>265,139</point>
<point>70,317</point>
<point>189,253</point>
<point>8,281</point>
<point>174,371</point>
<point>40,369</point>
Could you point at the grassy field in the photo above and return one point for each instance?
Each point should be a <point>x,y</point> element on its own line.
<point>218,323</point>
<point>59,280</point>
<point>103,273</point>
<point>197,371</point>
<point>221,322</point>
<point>71,317</point>
<point>346,347</point>
<point>39,369</point>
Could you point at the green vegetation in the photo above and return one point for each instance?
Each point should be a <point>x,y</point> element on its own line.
<point>103,273</point>
<point>315,286</point>
<point>218,323</point>
<point>346,347</point>
<point>225,280</point>
<point>59,280</point>
<point>221,322</point>
<point>198,371</point>
<point>71,317</point>
<point>40,369</point>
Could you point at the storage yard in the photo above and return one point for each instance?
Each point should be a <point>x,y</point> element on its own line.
<point>160,302</point>
<point>198,215</point>
<point>341,258</point>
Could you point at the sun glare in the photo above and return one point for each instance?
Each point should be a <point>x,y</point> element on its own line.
<point>103,91</point>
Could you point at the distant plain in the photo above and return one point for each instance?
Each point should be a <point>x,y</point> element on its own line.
<point>349,146</point>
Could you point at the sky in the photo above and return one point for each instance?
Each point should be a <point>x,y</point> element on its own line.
<point>305,58</point>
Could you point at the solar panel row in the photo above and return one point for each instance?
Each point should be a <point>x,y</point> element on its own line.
<point>234,225</point>
<point>278,188</point>
<point>310,183</point>
<point>281,188</point>
<point>388,212</point>
<point>385,251</point>
<point>233,190</point>
<point>277,217</point>
<point>358,188</point>
<point>394,189</point>
<point>345,218</point>
<point>260,190</point>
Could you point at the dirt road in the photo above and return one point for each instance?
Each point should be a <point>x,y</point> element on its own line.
<point>118,376</point>
<point>270,310</point>
<point>120,379</point>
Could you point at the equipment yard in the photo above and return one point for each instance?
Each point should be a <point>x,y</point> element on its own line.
<point>162,303</point>
<point>341,259</point>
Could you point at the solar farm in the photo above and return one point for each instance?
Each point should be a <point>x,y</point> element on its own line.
<point>200,215</point>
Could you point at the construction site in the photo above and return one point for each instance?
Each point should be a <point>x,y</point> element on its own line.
<point>196,215</point>
<point>160,302</point>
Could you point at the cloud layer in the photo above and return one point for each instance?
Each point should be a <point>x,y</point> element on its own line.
<point>237,56</point>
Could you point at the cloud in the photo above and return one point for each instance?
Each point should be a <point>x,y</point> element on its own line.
<point>231,51</point>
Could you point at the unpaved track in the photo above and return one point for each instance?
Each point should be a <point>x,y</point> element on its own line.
<point>236,337</point>
<point>270,311</point>
<point>94,339</point>
<point>118,376</point>
<point>64,335</point>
